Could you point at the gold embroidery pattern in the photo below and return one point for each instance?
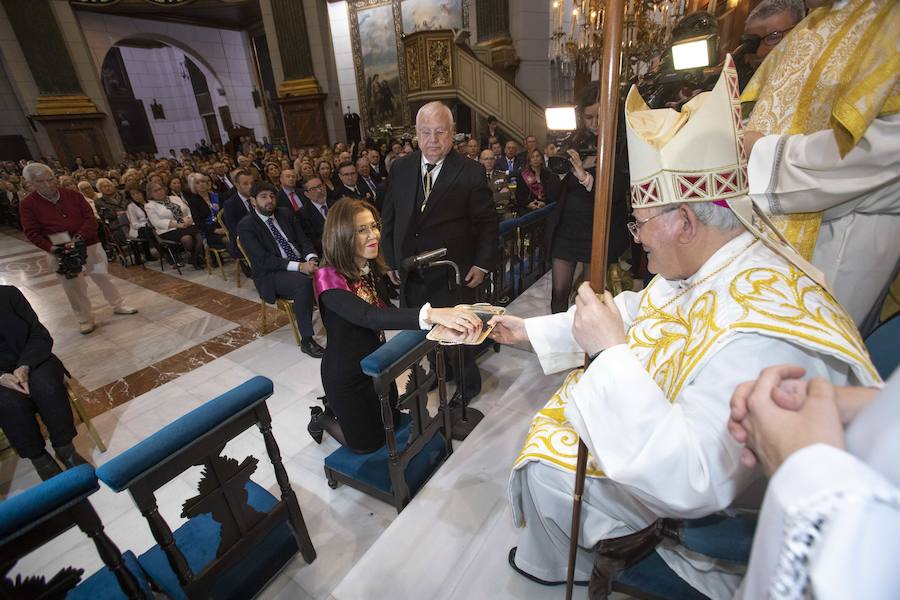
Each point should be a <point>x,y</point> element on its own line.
<point>776,302</point>
<point>551,438</point>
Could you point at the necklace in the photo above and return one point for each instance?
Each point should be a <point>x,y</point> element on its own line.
<point>658,310</point>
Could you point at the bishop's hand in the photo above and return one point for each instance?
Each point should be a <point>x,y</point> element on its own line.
<point>508,329</point>
<point>597,324</point>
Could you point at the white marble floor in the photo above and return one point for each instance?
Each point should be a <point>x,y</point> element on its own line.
<point>450,542</point>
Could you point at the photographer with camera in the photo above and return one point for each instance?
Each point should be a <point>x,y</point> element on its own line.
<point>571,227</point>
<point>60,222</point>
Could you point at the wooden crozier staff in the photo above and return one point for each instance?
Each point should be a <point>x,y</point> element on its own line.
<point>603,183</point>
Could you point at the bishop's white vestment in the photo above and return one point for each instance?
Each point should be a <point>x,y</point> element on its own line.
<point>831,518</point>
<point>653,411</point>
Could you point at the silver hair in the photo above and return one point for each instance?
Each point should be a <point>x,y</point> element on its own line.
<point>767,8</point>
<point>435,108</point>
<point>192,181</point>
<point>103,180</point>
<point>34,169</point>
<point>716,216</point>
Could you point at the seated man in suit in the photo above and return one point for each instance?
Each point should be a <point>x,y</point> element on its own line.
<point>32,383</point>
<point>364,182</point>
<point>289,196</point>
<point>348,181</point>
<point>315,209</point>
<point>237,206</point>
<point>282,260</point>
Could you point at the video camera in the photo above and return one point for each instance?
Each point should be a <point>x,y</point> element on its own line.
<point>71,259</point>
<point>580,140</point>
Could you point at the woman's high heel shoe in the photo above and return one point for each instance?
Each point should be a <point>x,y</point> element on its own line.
<point>315,426</point>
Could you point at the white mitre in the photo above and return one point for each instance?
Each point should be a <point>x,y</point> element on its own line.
<point>697,155</point>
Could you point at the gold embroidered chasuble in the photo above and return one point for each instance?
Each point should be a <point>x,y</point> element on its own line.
<point>838,69</point>
<point>680,326</point>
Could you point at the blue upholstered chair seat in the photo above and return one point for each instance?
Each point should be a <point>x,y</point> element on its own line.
<point>718,536</point>
<point>653,576</point>
<point>102,585</point>
<point>372,469</point>
<point>198,539</point>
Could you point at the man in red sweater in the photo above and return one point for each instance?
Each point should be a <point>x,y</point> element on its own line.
<point>51,211</point>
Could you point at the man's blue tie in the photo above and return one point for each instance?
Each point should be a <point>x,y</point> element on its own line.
<point>282,242</point>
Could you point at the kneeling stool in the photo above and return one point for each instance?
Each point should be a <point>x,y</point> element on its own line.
<point>37,516</point>
<point>412,453</point>
<point>237,536</point>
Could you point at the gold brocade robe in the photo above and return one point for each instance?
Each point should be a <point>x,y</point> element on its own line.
<point>838,69</point>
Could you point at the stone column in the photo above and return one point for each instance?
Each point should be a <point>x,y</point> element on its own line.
<point>299,92</point>
<point>50,85</point>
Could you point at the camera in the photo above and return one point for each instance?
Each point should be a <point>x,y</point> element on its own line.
<point>582,141</point>
<point>71,260</point>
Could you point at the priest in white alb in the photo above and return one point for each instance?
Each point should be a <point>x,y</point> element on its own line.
<point>728,300</point>
<point>824,144</point>
<point>830,522</point>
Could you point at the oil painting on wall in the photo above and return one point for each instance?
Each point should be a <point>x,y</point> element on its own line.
<point>420,15</point>
<point>374,35</point>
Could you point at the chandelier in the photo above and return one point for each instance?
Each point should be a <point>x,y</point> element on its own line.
<point>577,33</point>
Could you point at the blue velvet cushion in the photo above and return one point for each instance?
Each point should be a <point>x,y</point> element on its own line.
<point>508,225</point>
<point>103,584</point>
<point>884,346</point>
<point>654,577</point>
<point>720,536</point>
<point>33,506</point>
<point>389,353</point>
<point>198,539</point>
<point>372,468</point>
<point>119,472</point>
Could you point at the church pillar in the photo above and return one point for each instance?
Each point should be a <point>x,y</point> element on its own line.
<point>299,92</point>
<point>58,93</point>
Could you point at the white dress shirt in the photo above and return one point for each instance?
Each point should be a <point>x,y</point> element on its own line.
<point>293,265</point>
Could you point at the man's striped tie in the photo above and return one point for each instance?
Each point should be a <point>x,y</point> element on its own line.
<point>427,183</point>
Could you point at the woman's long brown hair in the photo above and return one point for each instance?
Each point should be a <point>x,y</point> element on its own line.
<point>339,238</point>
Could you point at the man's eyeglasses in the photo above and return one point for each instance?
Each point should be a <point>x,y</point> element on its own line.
<point>635,226</point>
<point>315,188</point>
<point>367,229</point>
<point>774,38</point>
<point>427,133</point>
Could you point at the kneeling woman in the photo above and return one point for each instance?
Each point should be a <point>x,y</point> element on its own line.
<point>355,311</point>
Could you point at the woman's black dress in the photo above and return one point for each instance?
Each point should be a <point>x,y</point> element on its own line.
<point>572,235</point>
<point>355,318</point>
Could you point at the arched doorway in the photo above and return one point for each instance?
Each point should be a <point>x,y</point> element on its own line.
<point>162,97</point>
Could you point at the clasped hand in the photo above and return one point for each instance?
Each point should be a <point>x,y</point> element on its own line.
<point>17,380</point>
<point>779,413</point>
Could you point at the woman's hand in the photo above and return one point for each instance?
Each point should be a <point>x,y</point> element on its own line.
<point>577,165</point>
<point>535,204</point>
<point>508,329</point>
<point>458,319</point>
<point>8,380</point>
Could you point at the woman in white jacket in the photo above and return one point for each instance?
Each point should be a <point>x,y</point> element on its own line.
<point>171,218</point>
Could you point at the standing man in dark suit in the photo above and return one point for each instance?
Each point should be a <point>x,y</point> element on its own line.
<point>315,209</point>
<point>282,260</point>
<point>289,196</point>
<point>438,198</point>
<point>348,181</point>
<point>237,206</point>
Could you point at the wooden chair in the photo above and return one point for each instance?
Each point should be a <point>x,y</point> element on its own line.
<point>414,451</point>
<point>75,401</point>
<point>220,221</point>
<point>284,304</point>
<point>38,515</point>
<point>238,536</point>
<point>631,565</point>
<point>220,254</point>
